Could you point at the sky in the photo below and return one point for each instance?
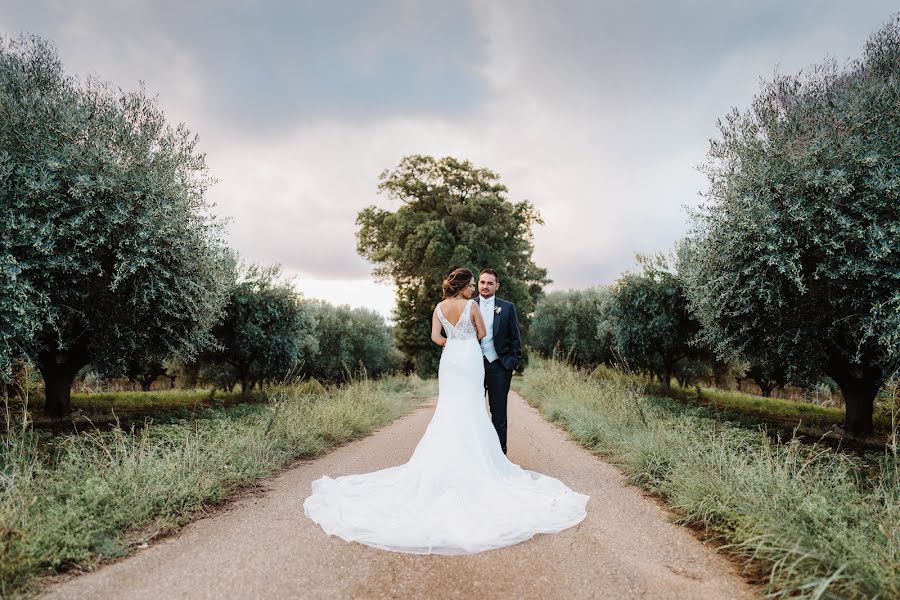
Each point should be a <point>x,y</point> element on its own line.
<point>598,112</point>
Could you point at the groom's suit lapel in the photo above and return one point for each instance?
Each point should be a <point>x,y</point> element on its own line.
<point>496,326</point>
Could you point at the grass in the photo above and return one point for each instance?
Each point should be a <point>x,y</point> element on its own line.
<point>126,408</point>
<point>79,499</point>
<point>821,523</point>
<point>777,407</point>
<point>141,401</point>
<point>814,419</point>
<point>789,410</point>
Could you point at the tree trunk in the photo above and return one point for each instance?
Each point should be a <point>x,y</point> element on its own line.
<point>172,382</point>
<point>245,383</point>
<point>146,383</point>
<point>58,370</point>
<point>58,392</point>
<point>666,379</point>
<point>859,408</point>
<point>860,386</point>
<point>859,398</point>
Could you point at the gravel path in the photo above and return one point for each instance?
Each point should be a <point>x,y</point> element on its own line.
<point>264,547</point>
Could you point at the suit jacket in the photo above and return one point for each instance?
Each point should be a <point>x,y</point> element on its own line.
<point>507,340</point>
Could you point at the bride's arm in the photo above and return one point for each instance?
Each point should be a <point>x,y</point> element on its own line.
<point>436,336</point>
<point>480,330</point>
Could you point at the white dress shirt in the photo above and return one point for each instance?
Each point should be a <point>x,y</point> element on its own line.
<point>487,342</point>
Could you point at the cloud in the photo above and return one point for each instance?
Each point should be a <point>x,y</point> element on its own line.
<point>598,113</point>
<point>261,67</point>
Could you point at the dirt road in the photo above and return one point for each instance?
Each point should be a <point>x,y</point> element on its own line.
<point>264,546</point>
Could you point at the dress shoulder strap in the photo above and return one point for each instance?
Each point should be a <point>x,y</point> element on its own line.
<point>442,318</point>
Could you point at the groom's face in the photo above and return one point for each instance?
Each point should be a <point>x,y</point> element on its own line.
<point>487,285</point>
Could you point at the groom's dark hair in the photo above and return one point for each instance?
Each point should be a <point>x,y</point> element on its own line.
<point>490,272</point>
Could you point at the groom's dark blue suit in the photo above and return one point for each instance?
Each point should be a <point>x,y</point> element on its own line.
<point>498,374</point>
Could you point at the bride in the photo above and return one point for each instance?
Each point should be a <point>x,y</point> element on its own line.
<point>458,494</point>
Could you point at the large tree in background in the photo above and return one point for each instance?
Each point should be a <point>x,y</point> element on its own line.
<point>453,214</point>
<point>795,260</point>
<point>107,247</point>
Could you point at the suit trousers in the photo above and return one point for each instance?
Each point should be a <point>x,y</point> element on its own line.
<point>496,383</point>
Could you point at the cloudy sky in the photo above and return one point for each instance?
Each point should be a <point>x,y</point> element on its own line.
<point>597,111</point>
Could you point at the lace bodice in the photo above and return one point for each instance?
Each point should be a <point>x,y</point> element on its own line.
<point>464,328</point>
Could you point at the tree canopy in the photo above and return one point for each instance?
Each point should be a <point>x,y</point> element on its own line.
<point>453,214</point>
<point>794,261</point>
<point>652,328</point>
<point>107,246</point>
<point>576,324</point>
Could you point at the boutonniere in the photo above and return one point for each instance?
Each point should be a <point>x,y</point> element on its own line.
<point>498,310</point>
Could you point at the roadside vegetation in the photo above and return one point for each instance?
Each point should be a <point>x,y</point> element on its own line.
<point>74,500</point>
<point>812,521</point>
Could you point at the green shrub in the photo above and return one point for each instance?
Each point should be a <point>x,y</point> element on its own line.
<point>574,323</point>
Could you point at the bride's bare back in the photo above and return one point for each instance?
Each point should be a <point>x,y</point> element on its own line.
<point>453,309</point>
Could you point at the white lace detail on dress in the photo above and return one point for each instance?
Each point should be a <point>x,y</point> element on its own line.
<point>464,328</point>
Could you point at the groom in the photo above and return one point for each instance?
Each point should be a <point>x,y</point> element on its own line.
<point>501,347</point>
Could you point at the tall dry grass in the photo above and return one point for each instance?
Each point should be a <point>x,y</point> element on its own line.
<point>71,500</point>
<point>824,524</point>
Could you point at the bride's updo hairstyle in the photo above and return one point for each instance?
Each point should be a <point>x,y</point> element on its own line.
<point>457,280</point>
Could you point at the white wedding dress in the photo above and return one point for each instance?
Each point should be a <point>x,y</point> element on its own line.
<point>458,494</point>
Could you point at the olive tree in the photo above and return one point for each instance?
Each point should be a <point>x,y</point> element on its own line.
<point>267,333</point>
<point>652,328</point>
<point>794,260</point>
<point>107,246</point>
<point>350,340</point>
<point>144,370</point>
<point>576,324</point>
<point>21,307</point>
<point>767,378</point>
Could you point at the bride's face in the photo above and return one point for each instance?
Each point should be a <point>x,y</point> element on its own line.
<point>468,291</point>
